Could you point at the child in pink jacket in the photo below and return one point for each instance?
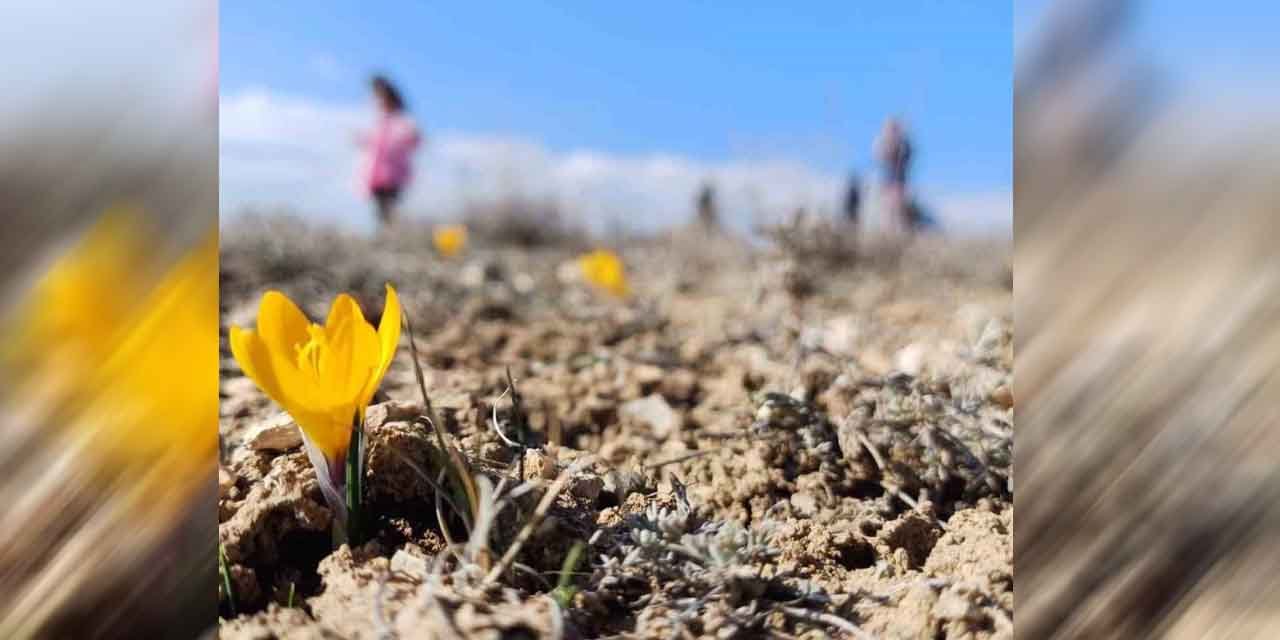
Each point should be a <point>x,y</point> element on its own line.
<point>386,167</point>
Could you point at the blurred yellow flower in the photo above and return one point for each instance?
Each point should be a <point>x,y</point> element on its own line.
<point>450,240</point>
<point>75,311</point>
<point>162,377</point>
<point>604,269</point>
<point>120,351</point>
<point>110,372</point>
<point>324,376</point>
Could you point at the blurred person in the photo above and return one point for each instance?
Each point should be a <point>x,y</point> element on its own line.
<point>388,150</point>
<point>893,150</point>
<point>919,217</point>
<point>853,199</point>
<point>708,216</point>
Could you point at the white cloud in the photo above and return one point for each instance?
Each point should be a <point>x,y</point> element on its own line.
<point>976,212</point>
<point>286,151</point>
<point>94,64</point>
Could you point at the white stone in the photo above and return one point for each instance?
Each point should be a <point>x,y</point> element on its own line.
<point>910,359</point>
<point>654,411</point>
<point>408,564</point>
<point>278,433</point>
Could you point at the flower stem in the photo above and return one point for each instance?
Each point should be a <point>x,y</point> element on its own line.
<point>355,483</point>
<point>225,570</point>
<point>564,591</point>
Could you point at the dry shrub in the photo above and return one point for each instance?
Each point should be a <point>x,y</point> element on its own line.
<point>523,222</point>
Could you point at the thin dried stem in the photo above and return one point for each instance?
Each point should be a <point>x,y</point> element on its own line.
<point>497,429</point>
<point>829,620</point>
<point>461,470</point>
<point>536,519</point>
<point>437,487</point>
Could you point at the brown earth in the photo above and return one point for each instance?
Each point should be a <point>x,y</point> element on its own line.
<point>763,444</point>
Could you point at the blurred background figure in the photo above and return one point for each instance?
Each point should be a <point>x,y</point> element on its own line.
<point>708,217</point>
<point>853,199</point>
<point>919,217</point>
<point>388,150</point>
<point>893,150</point>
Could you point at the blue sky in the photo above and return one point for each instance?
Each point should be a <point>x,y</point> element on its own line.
<point>697,79</point>
<point>704,84</point>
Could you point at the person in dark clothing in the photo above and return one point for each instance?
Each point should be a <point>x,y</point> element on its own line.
<point>921,219</point>
<point>853,199</point>
<point>707,214</point>
<point>893,150</point>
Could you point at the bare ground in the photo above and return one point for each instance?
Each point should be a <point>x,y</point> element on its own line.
<point>765,445</point>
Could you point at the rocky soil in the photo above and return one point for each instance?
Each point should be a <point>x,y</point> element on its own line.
<point>780,440</point>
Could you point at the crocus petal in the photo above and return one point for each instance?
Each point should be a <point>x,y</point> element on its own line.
<point>365,362</point>
<point>257,362</point>
<point>351,357</point>
<point>352,347</point>
<point>251,353</point>
<point>281,323</point>
<point>283,328</point>
<point>328,433</point>
<point>329,476</point>
<point>344,307</point>
<point>389,338</point>
<point>336,360</point>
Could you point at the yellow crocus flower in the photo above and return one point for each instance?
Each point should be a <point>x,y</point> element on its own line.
<point>161,379</point>
<point>604,269</point>
<point>450,239</point>
<point>124,360</point>
<point>76,311</point>
<point>324,376</point>
<point>110,365</point>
